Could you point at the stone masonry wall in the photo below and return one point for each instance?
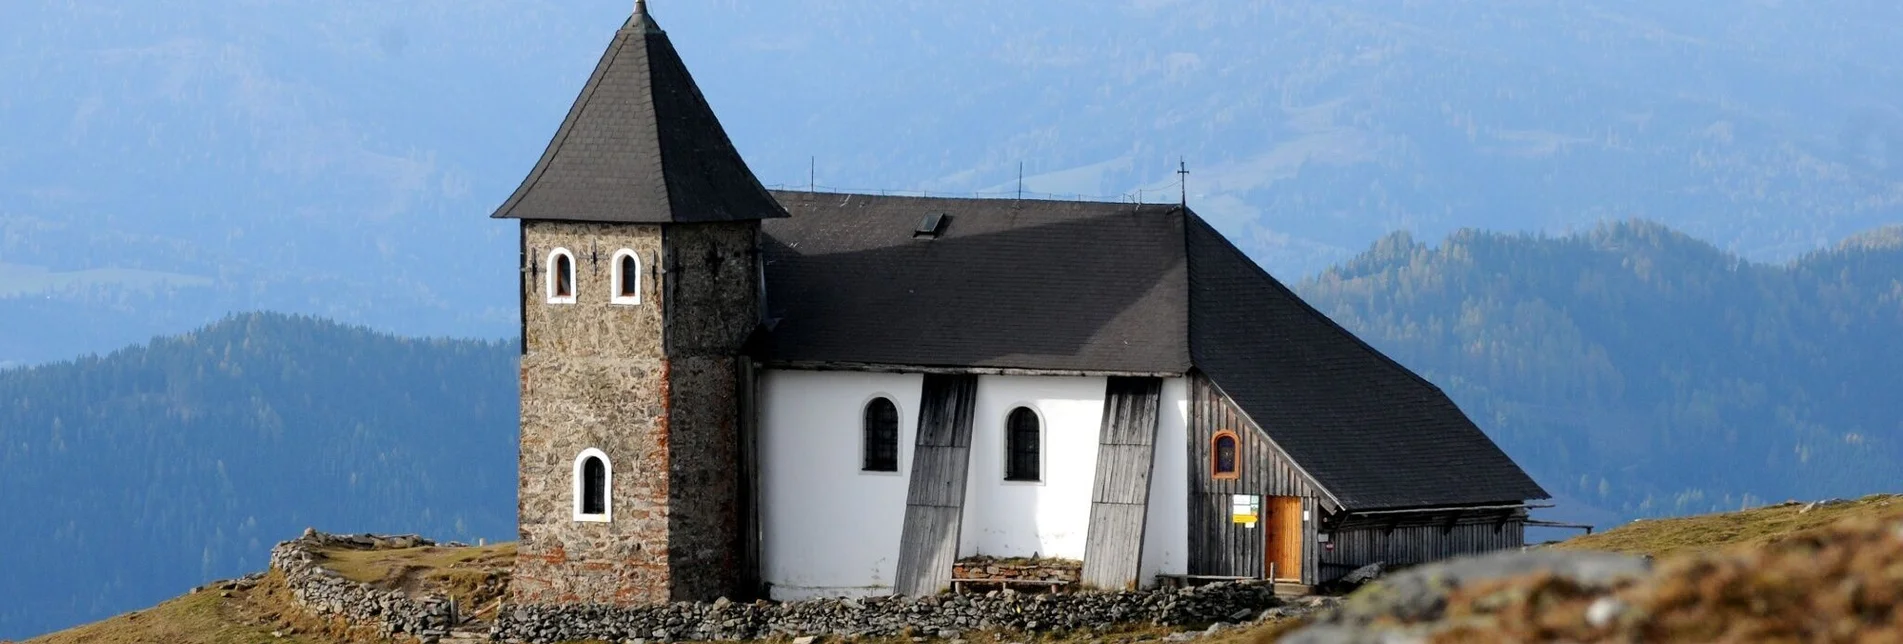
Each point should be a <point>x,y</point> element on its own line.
<point>944,616</point>
<point>1065,570</point>
<point>324,594</point>
<point>714,306</point>
<point>594,375</point>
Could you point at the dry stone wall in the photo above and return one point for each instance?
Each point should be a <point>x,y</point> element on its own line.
<point>1069,571</point>
<point>325,594</point>
<point>943,616</point>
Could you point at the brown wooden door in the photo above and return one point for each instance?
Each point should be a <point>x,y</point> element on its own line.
<point>1283,552</point>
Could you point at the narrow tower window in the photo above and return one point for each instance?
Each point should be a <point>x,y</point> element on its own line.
<point>882,436</point>
<point>1222,455</point>
<point>1022,436</point>
<point>594,477</point>
<point>627,278</point>
<point>561,277</point>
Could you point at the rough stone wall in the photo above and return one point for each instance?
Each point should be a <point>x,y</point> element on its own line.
<point>987,568</point>
<point>713,281</point>
<point>714,298</point>
<point>594,375</point>
<point>324,594</point>
<point>945,616</point>
<point>654,386</point>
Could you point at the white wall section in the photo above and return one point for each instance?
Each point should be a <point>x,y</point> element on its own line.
<point>1050,517</point>
<point>1166,533</point>
<point>828,528</point>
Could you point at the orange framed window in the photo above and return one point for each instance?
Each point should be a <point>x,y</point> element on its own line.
<point>1225,453</point>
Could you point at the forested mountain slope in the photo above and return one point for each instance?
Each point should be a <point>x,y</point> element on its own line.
<point>130,477</point>
<point>1635,369</point>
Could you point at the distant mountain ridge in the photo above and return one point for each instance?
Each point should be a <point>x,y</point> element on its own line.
<point>166,165</point>
<point>1640,371</point>
<point>1631,369</point>
<point>129,477</point>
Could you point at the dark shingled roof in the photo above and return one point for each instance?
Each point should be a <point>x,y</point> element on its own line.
<point>1370,431</point>
<point>1008,284</point>
<point>640,145</point>
<point>1110,287</point>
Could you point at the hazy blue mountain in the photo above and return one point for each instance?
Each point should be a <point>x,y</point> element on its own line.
<point>127,479</point>
<point>1636,371</point>
<point>165,163</point>
<point>1633,370</point>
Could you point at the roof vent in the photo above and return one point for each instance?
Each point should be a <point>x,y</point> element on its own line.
<point>932,225</point>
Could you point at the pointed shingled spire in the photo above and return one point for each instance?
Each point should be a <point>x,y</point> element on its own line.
<point>641,145</point>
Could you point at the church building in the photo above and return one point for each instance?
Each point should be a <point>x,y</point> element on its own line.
<point>735,392</point>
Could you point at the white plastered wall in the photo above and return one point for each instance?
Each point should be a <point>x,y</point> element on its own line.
<point>1048,518</point>
<point>828,528</point>
<point>1166,533</point>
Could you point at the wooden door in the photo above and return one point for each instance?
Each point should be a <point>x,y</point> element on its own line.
<point>1283,552</point>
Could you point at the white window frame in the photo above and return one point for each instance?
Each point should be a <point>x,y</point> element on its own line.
<point>548,282</point>
<point>614,286</point>
<point>899,454</point>
<point>1043,442</point>
<point>607,487</point>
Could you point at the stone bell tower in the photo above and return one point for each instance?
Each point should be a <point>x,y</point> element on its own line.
<point>640,285</point>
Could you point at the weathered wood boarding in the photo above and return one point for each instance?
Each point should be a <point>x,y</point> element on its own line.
<point>1126,454</point>
<point>1217,544</point>
<point>1407,539</point>
<point>935,498</point>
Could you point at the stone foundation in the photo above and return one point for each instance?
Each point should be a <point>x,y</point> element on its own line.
<point>1005,570</point>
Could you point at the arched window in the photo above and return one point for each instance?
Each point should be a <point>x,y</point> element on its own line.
<point>561,277</point>
<point>1224,454</point>
<point>627,278</point>
<point>594,478</point>
<point>1022,448</point>
<point>882,436</point>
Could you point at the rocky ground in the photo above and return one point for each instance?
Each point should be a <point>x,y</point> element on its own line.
<point>1839,583</point>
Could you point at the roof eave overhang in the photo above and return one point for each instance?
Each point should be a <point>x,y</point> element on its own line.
<point>829,365</point>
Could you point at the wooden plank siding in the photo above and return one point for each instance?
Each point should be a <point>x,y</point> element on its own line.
<point>1120,496</point>
<point>935,498</point>
<point>1217,545</point>
<point>1418,540</point>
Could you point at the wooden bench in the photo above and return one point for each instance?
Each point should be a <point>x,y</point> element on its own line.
<point>959,583</point>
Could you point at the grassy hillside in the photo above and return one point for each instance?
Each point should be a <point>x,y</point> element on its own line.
<point>1636,369</point>
<point>131,476</point>
<point>1756,527</point>
<point>218,617</point>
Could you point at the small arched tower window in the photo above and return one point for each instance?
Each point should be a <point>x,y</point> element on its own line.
<point>882,436</point>
<point>627,278</point>
<point>1022,446</point>
<point>594,478</point>
<point>561,277</point>
<point>1224,453</point>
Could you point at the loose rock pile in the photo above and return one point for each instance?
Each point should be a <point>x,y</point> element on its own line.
<point>325,594</point>
<point>943,616</point>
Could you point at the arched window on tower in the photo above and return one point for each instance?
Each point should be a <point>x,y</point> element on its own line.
<point>561,277</point>
<point>1224,455</point>
<point>627,278</point>
<point>1023,448</point>
<point>594,478</point>
<point>881,436</point>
